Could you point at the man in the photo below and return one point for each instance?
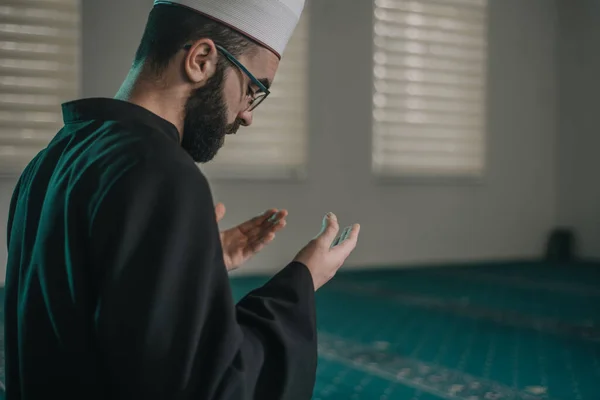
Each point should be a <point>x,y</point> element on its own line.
<point>117,284</point>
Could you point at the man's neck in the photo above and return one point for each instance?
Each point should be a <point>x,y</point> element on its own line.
<point>161,102</point>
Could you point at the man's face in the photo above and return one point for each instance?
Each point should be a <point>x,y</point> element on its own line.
<point>220,107</point>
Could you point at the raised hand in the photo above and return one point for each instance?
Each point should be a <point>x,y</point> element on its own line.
<point>245,240</point>
<point>324,255</point>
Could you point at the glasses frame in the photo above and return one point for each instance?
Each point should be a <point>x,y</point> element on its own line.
<point>262,89</point>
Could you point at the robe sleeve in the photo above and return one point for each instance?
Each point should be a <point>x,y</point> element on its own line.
<point>166,324</point>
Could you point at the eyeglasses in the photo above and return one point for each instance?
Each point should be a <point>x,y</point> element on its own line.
<point>258,96</point>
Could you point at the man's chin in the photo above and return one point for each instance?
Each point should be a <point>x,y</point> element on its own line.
<point>203,157</point>
<point>203,151</point>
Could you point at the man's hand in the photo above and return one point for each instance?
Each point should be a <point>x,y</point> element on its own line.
<point>324,255</point>
<point>245,240</point>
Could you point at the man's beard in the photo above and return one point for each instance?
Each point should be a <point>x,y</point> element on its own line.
<point>205,123</point>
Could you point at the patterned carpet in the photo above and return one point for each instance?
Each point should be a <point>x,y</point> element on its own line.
<point>527,331</point>
<point>519,332</point>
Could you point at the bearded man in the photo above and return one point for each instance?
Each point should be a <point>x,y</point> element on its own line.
<point>117,278</point>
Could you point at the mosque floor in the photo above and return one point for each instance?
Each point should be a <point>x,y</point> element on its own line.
<point>522,331</point>
<point>519,331</point>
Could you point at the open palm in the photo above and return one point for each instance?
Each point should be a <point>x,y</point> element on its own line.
<point>245,240</point>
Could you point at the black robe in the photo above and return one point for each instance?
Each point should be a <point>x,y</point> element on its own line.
<point>116,286</point>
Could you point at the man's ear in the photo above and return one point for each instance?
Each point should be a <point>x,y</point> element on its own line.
<point>200,62</point>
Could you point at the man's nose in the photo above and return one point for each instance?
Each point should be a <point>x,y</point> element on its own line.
<point>245,118</point>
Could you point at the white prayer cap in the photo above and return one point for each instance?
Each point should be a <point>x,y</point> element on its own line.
<point>268,22</point>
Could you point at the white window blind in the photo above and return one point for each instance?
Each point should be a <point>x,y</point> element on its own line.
<point>429,98</point>
<point>39,70</point>
<point>275,145</point>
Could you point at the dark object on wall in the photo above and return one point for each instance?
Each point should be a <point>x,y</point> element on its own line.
<point>561,246</point>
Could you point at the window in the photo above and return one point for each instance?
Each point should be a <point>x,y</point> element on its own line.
<point>275,145</point>
<point>429,98</point>
<point>39,70</point>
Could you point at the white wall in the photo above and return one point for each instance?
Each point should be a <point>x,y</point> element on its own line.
<point>507,216</point>
<point>579,137</point>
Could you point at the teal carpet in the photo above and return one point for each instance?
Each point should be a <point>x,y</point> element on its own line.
<point>527,331</point>
<point>520,332</point>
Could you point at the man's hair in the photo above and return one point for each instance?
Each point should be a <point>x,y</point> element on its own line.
<point>171,27</point>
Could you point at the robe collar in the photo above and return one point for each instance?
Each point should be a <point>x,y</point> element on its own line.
<point>116,110</point>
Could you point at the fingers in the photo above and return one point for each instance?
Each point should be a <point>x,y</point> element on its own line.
<point>279,226</point>
<point>220,211</point>
<point>274,223</point>
<point>260,243</point>
<point>276,218</point>
<point>342,237</point>
<point>260,219</point>
<point>265,235</point>
<point>253,226</point>
<point>335,243</point>
<point>348,239</point>
<point>329,229</point>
